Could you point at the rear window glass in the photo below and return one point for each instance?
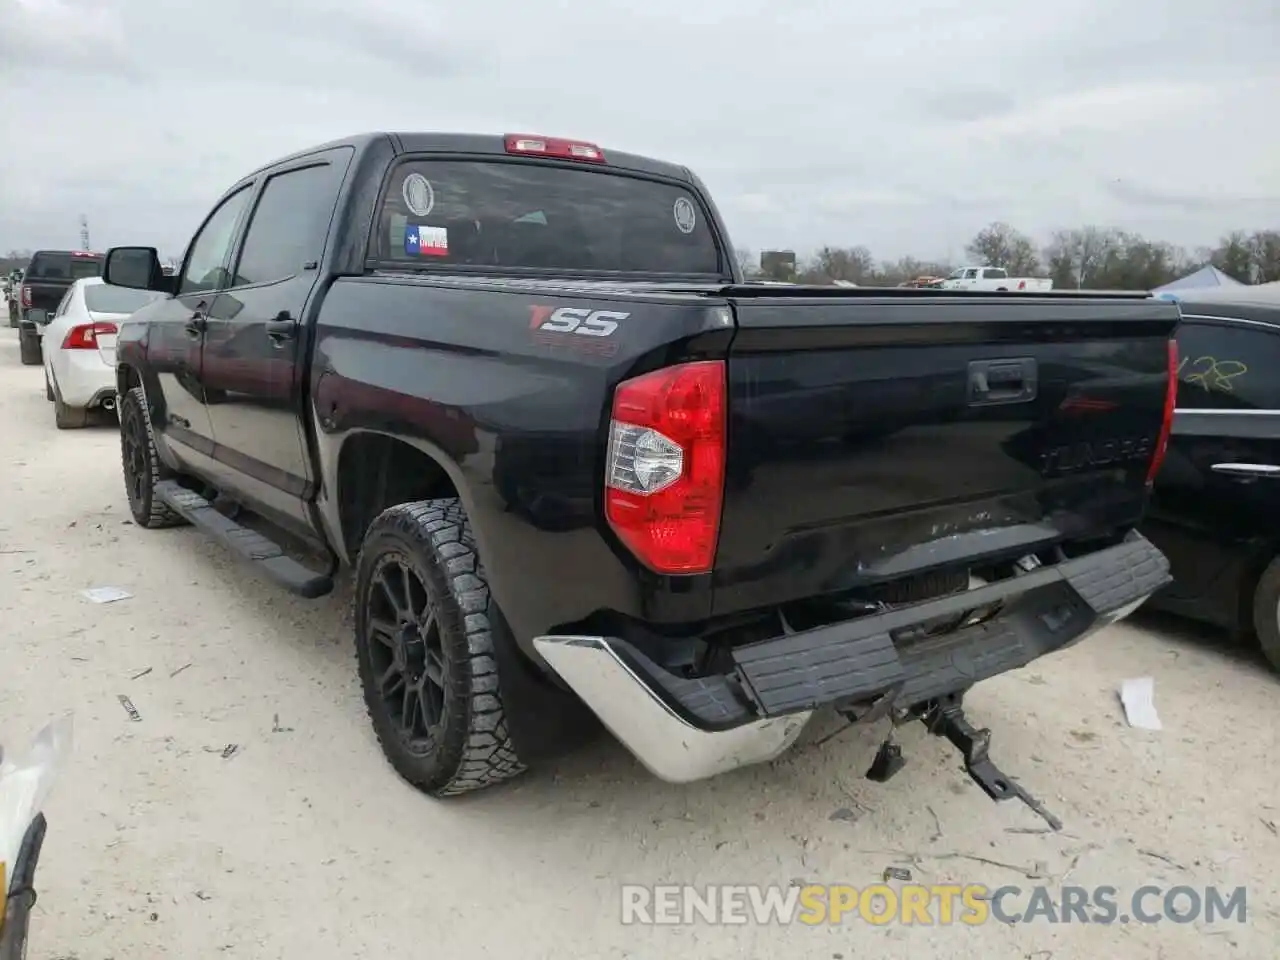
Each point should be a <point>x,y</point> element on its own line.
<point>105,298</point>
<point>63,266</point>
<point>523,215</point>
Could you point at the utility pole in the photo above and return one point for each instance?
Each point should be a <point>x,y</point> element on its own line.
<point>84,233</point>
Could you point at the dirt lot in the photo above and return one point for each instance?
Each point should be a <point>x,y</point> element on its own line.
<point>304,844</point>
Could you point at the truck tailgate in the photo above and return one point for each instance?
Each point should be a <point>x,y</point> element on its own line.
<point>876,437</point>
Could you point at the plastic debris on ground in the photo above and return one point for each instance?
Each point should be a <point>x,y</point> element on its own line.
<point>105,594</point>
<point>1138,697</point>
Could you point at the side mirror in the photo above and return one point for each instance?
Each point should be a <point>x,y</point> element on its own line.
<point>137,268</point>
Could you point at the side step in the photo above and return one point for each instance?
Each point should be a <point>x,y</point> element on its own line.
<point>266,556</point>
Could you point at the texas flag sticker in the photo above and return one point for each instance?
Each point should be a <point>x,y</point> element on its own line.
<point>426,241</point>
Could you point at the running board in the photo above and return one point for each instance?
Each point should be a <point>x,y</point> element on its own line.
<point>266,556</point>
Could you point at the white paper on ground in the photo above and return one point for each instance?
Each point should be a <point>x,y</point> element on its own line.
<point>105,594</point>
<point>1138,697</point>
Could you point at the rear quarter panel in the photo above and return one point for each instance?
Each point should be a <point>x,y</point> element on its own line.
<point>516,416</point>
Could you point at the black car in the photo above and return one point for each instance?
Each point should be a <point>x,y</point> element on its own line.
<point>1216,506</point>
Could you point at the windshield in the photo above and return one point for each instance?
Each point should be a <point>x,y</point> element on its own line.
<point>104,298</point>
<point>526,215</point>
<point>62,265</point>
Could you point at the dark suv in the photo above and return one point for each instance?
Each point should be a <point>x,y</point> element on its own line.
<point>48,276</point>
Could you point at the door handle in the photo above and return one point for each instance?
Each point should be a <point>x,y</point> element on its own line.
<point>282,328</point>
<point>1247,471</point>
<point>197,323</point>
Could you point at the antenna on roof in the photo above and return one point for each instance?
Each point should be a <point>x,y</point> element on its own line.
<point>84,233</point>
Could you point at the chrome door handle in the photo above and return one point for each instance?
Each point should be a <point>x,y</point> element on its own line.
<point>1247,471</point>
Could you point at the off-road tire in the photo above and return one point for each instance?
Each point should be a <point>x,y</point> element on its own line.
<point>473,748</point>
<point>29,348</point>
<point>69,418</point>
<point>148,510</point>
<point>1266,613</point>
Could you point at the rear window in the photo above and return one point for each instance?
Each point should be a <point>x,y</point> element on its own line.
<point>105,298</point>
<point>55,265</point>
<point>530,216</point>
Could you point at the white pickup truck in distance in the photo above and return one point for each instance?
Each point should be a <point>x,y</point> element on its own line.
<point>994,278</point>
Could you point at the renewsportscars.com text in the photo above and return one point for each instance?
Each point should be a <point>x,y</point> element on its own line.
<point>928,905</point>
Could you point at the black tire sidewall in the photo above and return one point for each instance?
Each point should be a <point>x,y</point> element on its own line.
<point>438,767</point>
<point>67,417</point>
<point>29,348</point>
<point>389,539</point>
<point>131,408</point>
<point>1266,613</point>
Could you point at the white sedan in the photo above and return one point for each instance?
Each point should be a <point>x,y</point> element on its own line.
<point>80,349</point>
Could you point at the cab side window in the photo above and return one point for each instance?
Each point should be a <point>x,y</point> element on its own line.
<point>206,265</point>
<point>1224,366</point>
<point>289,225</point>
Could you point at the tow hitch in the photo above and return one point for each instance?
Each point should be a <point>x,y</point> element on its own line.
<point>945,718</point>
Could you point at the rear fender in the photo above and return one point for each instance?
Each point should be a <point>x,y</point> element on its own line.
<point>328,502</point>
<point>133,370</point>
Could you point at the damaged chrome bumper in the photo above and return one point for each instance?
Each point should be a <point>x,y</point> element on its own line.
<point>684,729</point>
<point>670,744</point>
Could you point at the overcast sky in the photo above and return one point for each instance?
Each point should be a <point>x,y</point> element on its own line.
<point>904,125</point>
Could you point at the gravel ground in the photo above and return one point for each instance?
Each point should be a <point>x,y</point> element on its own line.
<point>303,843</point>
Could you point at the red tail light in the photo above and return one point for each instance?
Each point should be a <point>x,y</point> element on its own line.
<point>664,481</point>
<point>552,147</point>
<point>26,295</point>
<point>1170,403</point>
<point>85,336</point>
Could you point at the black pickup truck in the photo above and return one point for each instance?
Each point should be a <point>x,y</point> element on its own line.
<point>49,275</point>
<point>580,467</point>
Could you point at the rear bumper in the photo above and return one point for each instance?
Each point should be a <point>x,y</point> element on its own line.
<point>83,378</point>
<point>687,729</point>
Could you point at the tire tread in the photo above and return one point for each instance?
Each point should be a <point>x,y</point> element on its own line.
<point>480,753</point>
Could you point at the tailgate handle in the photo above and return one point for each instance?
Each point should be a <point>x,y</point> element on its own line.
<point>1247,471</point>
<point>1002,381</point>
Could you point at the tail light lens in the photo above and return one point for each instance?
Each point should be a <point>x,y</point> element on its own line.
<point>26,295</point>
<point>85,335</point>
<point>1170,404</point>
<point>664,484</point>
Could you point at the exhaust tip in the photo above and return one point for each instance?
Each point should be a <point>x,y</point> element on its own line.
<point>109,403</point>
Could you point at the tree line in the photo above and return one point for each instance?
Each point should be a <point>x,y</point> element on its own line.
<point>1091,258</point>
<point>1095,258</point>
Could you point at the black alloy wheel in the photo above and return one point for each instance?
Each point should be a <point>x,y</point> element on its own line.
<point>408,655</point>
<point>426,635</point>
<point>133,455</point>
<point>141,465</point>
